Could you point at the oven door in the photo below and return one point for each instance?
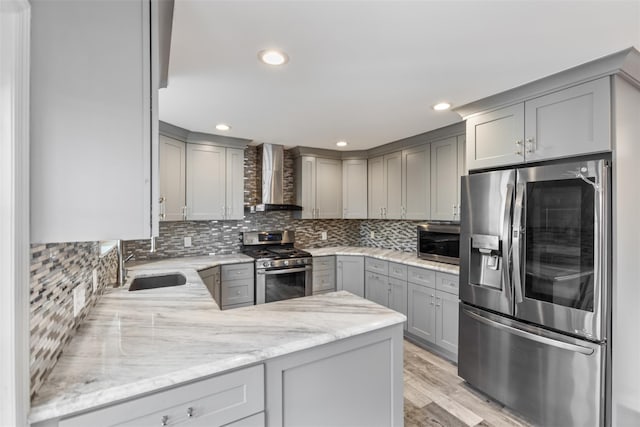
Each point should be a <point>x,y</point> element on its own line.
<point>281,284</point>
<point>560,247</point>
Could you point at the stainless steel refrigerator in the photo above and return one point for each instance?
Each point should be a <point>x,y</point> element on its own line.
<point>535,289</point>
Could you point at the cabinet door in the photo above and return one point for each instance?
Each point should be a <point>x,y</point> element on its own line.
<point>354,189</point>
<point>447,321</point>
<point>205,182</point>
<point>422,312</point>
<point>328,188</point>
<point>172,178</point>
<point>416,182</point>
<point>444,179</point>
<point>377,190</point>
<point>91,121</point>
<point>398,296</point>
<point>306,186</point>
<point>234,206</point>
<point>569,122</point>
<point>376,288</point>
<point>496,138</point>
<point>350,274</point>
<point>393,185</point>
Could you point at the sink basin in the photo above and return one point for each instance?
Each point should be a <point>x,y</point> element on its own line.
<point>152,282</point>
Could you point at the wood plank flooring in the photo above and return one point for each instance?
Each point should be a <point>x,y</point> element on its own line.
<point>434,395</point>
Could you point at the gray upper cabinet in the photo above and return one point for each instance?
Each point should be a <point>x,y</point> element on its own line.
<point>445,180</point>
<point>377,188</point>
<point>172,179</point>
<point>205,182</point>
<point>93,131</point>
<point>234,195</point>
<point>496,138</point>
<point>416,182</point>
<point>385,186</point>
<point>215,182</point>
<point>319,187</point>
<point>568,122</point>
<point>354,189</point>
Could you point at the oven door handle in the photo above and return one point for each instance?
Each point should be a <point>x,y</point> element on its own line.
<point>284,271</point>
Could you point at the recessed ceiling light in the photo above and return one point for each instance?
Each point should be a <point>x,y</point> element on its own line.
<point>341,143</point>
<point>273,57</point>
<point>442,106</point>
<point>223,126</point>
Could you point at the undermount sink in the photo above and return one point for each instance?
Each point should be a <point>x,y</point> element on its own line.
<point>152,282</point>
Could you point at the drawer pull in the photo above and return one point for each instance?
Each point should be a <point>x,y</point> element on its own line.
<point>165,420</point>
<point>189,412</point>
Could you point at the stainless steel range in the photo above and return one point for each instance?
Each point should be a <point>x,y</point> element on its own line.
<point>281,271</point>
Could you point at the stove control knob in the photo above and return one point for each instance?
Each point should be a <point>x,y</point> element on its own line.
<point>266,264</point>
<point>286,262</point>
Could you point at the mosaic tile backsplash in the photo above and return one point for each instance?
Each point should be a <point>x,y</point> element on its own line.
<point>56,269</point>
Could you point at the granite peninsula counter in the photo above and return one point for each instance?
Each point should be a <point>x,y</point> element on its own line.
<point>137,343</point>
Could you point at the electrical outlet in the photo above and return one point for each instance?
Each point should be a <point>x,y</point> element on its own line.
<point>79,295</point>
<point>372,234</point>
<point>323,235</point>
<point>187,242</point>
<point>95,280</point>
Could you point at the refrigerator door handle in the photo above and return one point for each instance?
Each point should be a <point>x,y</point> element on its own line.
<point>506,240</point>
<point>517,236</point>
<point>528,335</point>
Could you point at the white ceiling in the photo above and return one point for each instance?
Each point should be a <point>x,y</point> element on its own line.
<point>368,72</point>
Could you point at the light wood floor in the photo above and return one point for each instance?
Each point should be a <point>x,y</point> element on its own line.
<point>434,395</point>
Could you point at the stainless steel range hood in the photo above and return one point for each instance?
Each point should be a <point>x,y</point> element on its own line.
<point>273,181</point>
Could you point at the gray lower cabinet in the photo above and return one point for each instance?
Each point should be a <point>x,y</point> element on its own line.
<point>384,284</point>
<point>237,287</point>
<point>215,401</point>
<point>211,279</point>
<point>350,274</point>
<point>422,312</point>
<point>324,274</point>
<point>352,382</point>
<point>433,309</point>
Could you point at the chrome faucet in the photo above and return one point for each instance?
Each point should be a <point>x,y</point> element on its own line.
<point>122,272</point>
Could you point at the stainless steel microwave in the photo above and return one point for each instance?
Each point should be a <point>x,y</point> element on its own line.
<point>439,242</point>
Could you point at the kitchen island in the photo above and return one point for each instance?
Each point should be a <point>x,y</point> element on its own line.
<point>336,347</point>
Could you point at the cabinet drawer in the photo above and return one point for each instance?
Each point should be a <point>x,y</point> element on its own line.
<point>244,304</point>
<point>237,271</point>
<point>398,271</point>
<point>324,280</point>
<point>237,291</point>
<point>324,263</point>
<point>421,276</point>
<point>447,283</point>
<point>376,266</point>
<point>215,401</point>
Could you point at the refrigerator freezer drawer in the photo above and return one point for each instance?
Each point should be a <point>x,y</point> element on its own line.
<point>549,378</point>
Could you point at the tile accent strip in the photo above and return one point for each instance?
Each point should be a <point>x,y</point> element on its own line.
<point>56,269</point>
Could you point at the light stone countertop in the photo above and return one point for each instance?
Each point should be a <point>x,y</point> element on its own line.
<point>139,342</point>
<point>408,258</point>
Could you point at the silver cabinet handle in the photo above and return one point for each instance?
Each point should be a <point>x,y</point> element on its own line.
<point>432,299</point>
<point>162,208</point>
<point>222,210</point>
<point>519,147</point>
<point>184,213</point>
<point>189,412</point>
<point>437,303</point>
<point>164,420</point>
<point>528,146</point>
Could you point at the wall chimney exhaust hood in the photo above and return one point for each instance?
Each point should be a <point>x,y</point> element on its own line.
<point>273,181</point>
